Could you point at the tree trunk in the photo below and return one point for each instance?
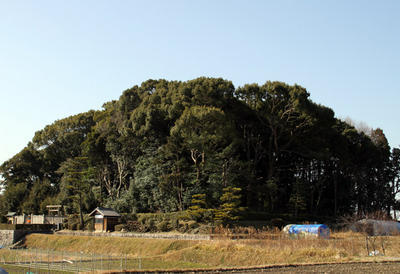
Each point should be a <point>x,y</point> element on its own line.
<point>81,214</point>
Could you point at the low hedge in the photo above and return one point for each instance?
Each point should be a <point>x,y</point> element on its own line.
<point>8,227</point>
<point>152,222</point>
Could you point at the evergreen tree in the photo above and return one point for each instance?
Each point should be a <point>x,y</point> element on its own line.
<point>198,208</point>
<point>229,211</point>
<point>76,185</point>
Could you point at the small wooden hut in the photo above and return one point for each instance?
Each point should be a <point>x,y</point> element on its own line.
<point>105,219</point>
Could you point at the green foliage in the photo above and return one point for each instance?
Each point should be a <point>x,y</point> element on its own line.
<point>153,222</point>
<point>297,199</point>
<point>163,141</point>
<point>75,185</point>
<point>229,210</point>
<point>13,196</point>
<point>119,227</point>
<point>41,193</point>
<point>150,191</point>
<point>197,211</point>
<point>73,222</point>
<point>163,226</point>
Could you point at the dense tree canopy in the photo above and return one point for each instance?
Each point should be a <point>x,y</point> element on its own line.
<point>165,141</point>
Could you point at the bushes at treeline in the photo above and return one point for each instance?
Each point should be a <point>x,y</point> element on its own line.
<point>157,222</point>
<point>182,222</point>
<point>164,142</point>
<point>142,222</point>
<point>185,222</point>
<point>196,217</point>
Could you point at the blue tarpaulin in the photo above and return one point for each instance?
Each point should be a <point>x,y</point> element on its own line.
<point>315,230</point>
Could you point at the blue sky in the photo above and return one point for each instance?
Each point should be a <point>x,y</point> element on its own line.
<point>59,58</point>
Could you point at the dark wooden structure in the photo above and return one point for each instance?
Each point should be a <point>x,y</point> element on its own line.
<point>105,219</point>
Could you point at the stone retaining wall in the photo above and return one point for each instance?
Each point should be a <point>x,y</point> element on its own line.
<point>138,235</point>
<point>8,237</point>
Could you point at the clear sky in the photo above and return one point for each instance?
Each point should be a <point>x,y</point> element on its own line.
<point>59,58</point>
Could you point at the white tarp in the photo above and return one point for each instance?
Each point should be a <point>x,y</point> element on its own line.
<point>376,227</point>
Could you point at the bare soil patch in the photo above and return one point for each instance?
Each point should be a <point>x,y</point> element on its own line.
<point>359,267</point>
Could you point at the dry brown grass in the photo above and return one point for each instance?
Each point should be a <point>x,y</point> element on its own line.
<point>106,245</point>
<point>342,247</point>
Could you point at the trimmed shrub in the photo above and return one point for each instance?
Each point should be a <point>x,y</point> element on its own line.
<point>134,226</point>
<point>119,227</point>
<point>197,210</point>
<point>152,222</point>
<point>89,223</point>
<point>193,225</point>
<point>163,226</point>
<point>175,224</point>
<point>126,217</point>
<point>73,226</point>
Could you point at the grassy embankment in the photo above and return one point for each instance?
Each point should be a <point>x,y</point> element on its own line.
<point>342,247</point>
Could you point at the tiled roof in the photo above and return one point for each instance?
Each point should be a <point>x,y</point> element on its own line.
<point>106,212</point>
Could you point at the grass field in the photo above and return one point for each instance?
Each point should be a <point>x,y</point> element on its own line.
<point>149,254</point>
<point>53,261</point>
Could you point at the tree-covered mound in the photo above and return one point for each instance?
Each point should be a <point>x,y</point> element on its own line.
<point>165,141</point>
